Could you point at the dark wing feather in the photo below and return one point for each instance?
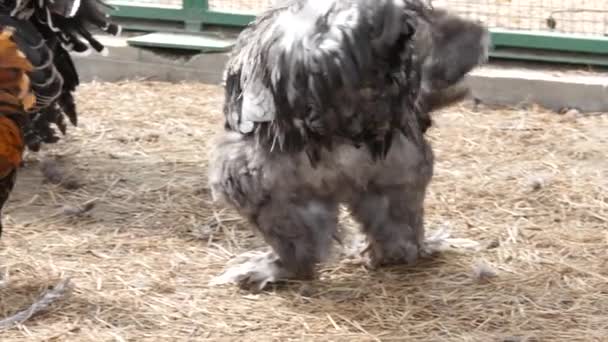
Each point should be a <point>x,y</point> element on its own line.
<point>50,30</point>
<point>37,75</point>
<point>70,28</point>
<point>311,71</point>
<point>454,47</point>
<point>47,83</point>
<point>65,65</point>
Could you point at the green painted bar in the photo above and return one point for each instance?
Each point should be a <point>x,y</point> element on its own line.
<point>228,19</point>
<point>196,13</point>
<point>154,13</point>
<point>594,60</point>
<point>550,41</point>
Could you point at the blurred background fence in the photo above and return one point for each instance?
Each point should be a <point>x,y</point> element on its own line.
<point>572,26</point>
<point>588,17</point>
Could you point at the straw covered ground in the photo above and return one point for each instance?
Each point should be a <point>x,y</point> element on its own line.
<point>529,185</point>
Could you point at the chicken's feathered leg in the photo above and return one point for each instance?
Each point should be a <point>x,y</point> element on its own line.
<point>294,219</point>
<point>300,232</point>
<point>391,210</point>
<point>392,220</point>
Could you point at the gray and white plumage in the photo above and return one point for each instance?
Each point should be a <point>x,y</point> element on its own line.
<point>327,102</point>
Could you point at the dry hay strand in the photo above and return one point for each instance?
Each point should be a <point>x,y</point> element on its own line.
<point>529,184</point>
<point>45,300</point>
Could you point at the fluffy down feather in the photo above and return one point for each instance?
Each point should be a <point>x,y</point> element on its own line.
<point>327,102</point>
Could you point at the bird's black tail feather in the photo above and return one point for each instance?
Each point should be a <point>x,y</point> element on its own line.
<point>64,26</point>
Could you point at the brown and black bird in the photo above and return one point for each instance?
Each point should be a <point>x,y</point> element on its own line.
<point>37,75</point>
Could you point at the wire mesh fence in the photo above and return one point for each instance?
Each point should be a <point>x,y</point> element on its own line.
<point>226,6</point>
<point>250,6</point>
<point>566,16</point>
<point>589,17</point>
<point>148,3</point>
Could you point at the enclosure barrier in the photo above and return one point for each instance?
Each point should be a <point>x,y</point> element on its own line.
<point>567,31</point>
<point>192,13</point>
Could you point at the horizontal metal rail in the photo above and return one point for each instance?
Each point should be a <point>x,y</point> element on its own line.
<point>507,43</point>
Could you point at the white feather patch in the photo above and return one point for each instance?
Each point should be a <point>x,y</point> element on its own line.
<point>302,23</point>
<point>67,47</point>
<point>246,127</point>
<point>258,104</point>
<point>19,4</point>
<point>119,31</point>
<point>75,8</point>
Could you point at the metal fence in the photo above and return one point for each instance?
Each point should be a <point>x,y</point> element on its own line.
<point>575,26</point>
<point>567,16</point>
<point>192,13</point>
<point>566,31</point>
<point>251,6</point>
<point>589,17</point>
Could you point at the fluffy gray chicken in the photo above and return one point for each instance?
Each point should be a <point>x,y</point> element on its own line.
<point>327,103</point>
